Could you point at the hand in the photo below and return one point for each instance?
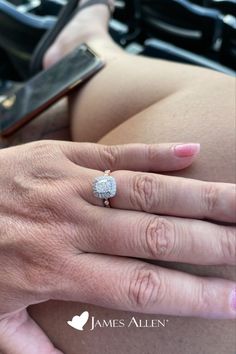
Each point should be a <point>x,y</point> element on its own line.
<point>57,241</point>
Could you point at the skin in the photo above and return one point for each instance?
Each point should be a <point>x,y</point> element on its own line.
<point>132,130</point>
<point>42,264</point>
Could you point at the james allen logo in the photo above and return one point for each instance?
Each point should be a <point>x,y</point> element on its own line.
<point>78,322</point>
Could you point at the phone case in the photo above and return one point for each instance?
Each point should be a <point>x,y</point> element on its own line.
<point>46,88</point>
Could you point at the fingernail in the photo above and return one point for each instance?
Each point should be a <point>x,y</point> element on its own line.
<point>186,150</point>
<point>233,297</point>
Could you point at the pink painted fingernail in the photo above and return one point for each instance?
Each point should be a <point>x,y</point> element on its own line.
<point>234,299</point>
<point>186,150</point>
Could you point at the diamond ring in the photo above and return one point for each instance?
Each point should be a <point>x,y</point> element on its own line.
<point>104,187</point>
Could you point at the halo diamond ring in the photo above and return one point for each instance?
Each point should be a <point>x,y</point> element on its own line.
<point>104,187</point>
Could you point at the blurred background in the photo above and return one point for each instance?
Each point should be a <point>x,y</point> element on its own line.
<point>198,32</point>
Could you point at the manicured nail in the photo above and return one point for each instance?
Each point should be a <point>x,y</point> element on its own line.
<point>233,297</point>
<point>186,150</point>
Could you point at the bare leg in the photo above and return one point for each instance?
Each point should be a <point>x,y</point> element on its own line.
<point>52,124</point>
<point>168,102</point>
<point>128,84</point>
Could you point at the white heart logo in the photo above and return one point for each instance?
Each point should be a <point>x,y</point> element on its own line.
<point>78,322</point>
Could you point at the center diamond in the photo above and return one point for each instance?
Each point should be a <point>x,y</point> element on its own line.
<point>104,187</point>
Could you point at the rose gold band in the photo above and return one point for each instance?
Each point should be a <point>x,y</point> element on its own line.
<point>106,202</point>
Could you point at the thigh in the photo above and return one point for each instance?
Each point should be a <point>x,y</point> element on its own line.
<point>52,124</point>
<point>201,112</point>
<point>127,86</point>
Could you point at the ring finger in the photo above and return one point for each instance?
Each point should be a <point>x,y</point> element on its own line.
<point>167,195</point>
<point>141,235</point>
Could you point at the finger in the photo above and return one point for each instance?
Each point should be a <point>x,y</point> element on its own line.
<point>169,195</point>
<point>139,235</point>
<point>136,157</point>
<point>132,285</point>
<point>20,334</point>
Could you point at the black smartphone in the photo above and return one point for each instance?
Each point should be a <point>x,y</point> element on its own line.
<point>47,87</point>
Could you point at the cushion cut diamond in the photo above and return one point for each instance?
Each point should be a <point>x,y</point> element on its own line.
<point>104,187</point>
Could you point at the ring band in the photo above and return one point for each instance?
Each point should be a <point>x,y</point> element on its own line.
<point>104,187</point>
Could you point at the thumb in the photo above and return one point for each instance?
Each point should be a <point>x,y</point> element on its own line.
<point>20,334</point>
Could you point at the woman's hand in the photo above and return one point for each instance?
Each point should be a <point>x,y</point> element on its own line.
<point>57,241</point>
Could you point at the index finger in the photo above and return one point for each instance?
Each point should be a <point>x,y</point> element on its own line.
<point>135,157</point>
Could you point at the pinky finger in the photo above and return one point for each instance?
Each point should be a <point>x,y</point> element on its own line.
<point>125,284</point>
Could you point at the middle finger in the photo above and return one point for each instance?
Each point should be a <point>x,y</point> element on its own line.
<point>174,196</point>
<point>141,235</point>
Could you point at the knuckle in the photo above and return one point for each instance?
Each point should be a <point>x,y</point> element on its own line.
<point>111,156</point>
<point>228,245</point>
<point>41,146</point>
<point>159,238</point>
<point>145,288</point>
<point>44,158</point>
<point>202,299</point>
<point>144,192</point>
<point>152,153</point>
<point>210,197</point>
